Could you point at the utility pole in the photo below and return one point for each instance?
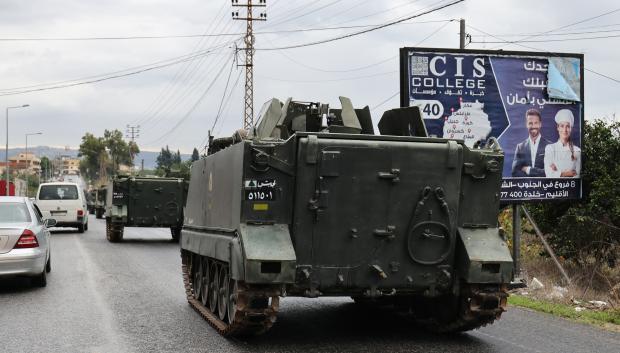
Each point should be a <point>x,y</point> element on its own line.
<point>248,117</point>
<point>462,33</point>
<point>132,132</point>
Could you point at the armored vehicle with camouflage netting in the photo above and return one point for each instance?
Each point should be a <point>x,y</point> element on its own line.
<point>313,203</point>
<point>133,201</point>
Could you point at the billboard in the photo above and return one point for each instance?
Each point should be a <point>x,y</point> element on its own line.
<point>531,102</point>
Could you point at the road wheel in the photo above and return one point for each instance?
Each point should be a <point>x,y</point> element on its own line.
<point>214,286</point>
<point>40,280</point>
<point>222,301</point>
<point>114,233</point>
<point>48,265</point>
<point>205,281</point>
<point>232,299</point>
<point>176,234</point>
<point>80,228</point>
<point>197,276</point>
<point>98,214</point>
<point>86,226</point>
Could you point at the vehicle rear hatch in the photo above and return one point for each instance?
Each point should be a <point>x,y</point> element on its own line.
<point>374,210</point>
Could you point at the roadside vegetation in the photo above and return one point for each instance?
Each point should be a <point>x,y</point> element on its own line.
<point>585,235</point>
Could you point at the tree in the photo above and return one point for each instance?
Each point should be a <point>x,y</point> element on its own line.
<point>46,166</point>
<point>119,149</point>
<point>589,229</point>
<point>91,149</point>
<point>103,155</point>
<point>164,159</point>
<point>195,155</point>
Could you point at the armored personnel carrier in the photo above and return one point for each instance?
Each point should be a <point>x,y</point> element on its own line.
<point>313,203</point>
<point>144,202</point>
<point>91,198</point>
<point>100,199</point>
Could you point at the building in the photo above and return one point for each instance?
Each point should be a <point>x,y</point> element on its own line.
<point>22,163</point>
<point>66,165</point>
<point>26,161</point>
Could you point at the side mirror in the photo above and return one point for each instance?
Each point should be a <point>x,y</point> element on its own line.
<point>50,222</point>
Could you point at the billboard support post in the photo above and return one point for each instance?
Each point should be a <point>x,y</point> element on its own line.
<point>516,239</point>
<point>545,244</point>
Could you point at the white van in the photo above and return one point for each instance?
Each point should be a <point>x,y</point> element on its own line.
<point>64,202</point>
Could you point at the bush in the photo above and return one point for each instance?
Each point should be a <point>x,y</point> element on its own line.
<point>589,229</point>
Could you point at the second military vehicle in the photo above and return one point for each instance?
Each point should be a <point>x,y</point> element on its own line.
<point>100,200</point>
<point>133,201</point>
<point>312,203</point>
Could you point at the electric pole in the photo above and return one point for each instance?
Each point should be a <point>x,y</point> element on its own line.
<point>132,132</point>
<point>462,33</point>
<point>248,117</point>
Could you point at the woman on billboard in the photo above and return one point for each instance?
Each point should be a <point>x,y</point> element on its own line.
<point>563,158</point>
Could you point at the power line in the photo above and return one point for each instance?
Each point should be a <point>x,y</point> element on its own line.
<point>194,106</point>
<point>107,76</point>
<point>131,73</point>
<point>225,34</point>
<point>541,50</point>
<point>385,101</point>
<point>545,40</point>
<point>550,34</point>
<point>175,96</point>
<point>565,26</point>
<point>363,31</point>
<point>332,80</point>
<point>147,115</point>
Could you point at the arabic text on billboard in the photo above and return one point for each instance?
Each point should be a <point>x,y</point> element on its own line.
<point>513,97</point>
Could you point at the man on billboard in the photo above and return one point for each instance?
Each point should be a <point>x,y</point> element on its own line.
<point>529,158</point>
<point>563,158</point>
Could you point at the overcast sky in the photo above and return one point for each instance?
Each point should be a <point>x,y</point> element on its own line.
<point>176,105</point>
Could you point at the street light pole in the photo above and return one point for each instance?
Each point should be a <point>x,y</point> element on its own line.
<point>28,160</point>
<point>6,156</point>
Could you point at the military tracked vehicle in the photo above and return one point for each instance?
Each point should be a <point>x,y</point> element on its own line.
<point>313,203</point>
<point>100,199</point>
<point>91,198</point>
<point>144,202</point>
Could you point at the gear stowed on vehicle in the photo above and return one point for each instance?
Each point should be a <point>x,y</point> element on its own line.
<point>312,203</point>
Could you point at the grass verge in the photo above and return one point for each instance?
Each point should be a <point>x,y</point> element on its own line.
<point>601,318</point>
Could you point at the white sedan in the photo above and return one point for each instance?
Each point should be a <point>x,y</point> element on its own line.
<point>24,240</point>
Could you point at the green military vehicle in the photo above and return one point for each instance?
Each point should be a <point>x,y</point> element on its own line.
<point>303,208</point>
<point>133,201</point>
<point>91,198</point>
<point>100,200</point>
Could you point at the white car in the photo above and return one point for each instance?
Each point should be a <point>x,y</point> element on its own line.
<point>24,240</point>
<point>64,202</point>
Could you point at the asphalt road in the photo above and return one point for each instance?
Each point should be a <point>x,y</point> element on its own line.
<point>129,297</point>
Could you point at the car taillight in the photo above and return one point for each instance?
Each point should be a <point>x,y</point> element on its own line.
<point>27,240</point>
<point>80,212</point>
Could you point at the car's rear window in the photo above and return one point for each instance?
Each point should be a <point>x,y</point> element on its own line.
<point>13,212</point>
<point>58,192</point>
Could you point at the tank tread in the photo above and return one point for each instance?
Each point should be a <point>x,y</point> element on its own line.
<point>247,321</point>
<point>480,306</point>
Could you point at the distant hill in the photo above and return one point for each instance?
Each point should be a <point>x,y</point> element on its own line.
<point>150,158</point>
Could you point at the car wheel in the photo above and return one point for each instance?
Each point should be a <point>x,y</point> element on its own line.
<point>40,280</point>
<point>86,226</point>
<point>48,265</point>
<point>80,228</point>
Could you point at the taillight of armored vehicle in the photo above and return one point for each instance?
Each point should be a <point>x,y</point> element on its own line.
<point>144,202</point>
<point>304,208</point>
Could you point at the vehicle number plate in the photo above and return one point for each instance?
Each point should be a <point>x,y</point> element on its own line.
<point>260,194</point>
